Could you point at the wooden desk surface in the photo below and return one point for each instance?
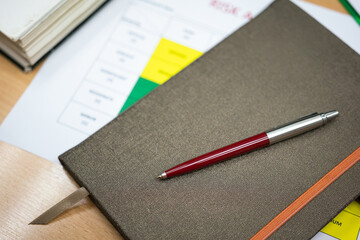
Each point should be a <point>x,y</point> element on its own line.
<point>29,184</point>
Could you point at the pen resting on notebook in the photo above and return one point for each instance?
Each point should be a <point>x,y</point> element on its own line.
<point>275,135</point>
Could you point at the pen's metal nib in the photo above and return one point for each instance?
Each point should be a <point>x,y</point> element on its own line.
<point>332,114</point>
<point>162,176</point>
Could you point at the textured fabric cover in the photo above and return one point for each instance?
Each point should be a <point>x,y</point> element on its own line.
<point>280,66</point>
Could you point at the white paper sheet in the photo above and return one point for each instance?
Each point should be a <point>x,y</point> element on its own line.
<point>323,236</point>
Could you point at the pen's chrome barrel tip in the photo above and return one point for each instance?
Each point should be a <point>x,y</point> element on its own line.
<point>332,114</point>
<point>162,176</point>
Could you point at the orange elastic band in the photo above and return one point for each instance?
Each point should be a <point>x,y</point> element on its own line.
<point>307,196</point>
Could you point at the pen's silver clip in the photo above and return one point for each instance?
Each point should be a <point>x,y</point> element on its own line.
<point>295,121</point>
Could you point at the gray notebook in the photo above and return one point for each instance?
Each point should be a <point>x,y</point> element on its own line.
<point>280,66</point>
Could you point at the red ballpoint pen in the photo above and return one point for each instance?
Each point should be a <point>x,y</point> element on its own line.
<point>278,134</point>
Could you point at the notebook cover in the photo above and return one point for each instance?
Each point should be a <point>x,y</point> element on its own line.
<point>280,66</point>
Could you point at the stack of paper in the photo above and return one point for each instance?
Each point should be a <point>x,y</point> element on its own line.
<point>29,29</point>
